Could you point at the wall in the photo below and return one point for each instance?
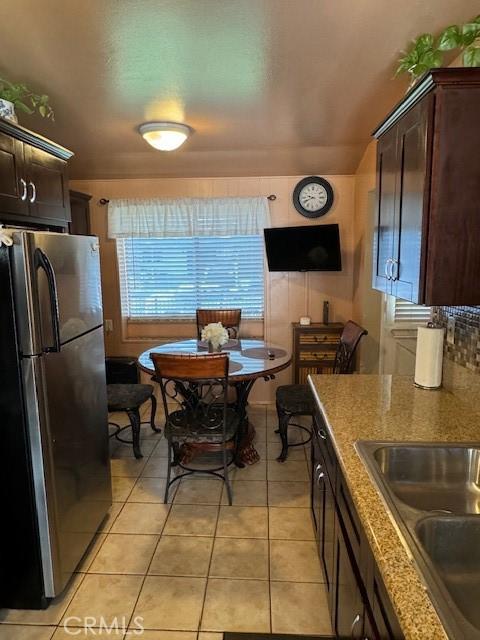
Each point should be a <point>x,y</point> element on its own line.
<point>367,302</point>
<point>288,295</point>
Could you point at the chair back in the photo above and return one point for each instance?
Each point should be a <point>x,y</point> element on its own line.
<point>230,318</point>
<point>194,390</point>
<point>344,357</point>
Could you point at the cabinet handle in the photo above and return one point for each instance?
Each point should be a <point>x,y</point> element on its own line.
<point>322,434</point>
<point>318,468</point>
<point>33,197</point>
<point>393,270</point>
<point>23,184</point>
<point>320,476</point>
<point>356,620</point>
<point>387,269</point>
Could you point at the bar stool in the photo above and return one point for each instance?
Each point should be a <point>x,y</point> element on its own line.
<point>129,398</point>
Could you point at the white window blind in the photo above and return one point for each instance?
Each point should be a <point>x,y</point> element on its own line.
<point>169,278</point>
<point>407,313</point>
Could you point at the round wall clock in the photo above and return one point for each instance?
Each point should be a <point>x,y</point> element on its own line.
<point>313,197</point>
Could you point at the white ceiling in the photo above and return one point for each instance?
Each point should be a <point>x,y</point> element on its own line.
<point>271,87</point>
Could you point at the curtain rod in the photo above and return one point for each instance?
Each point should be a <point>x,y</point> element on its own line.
<point>104,201</point>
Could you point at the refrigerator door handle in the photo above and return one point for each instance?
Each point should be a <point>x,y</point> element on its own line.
<point>42,262</point>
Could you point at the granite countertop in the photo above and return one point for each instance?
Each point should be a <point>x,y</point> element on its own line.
<point>373,407</point>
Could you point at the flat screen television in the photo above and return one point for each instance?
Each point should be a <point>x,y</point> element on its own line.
<point>305,248</point>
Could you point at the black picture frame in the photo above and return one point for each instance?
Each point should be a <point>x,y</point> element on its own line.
<point>296,197</point>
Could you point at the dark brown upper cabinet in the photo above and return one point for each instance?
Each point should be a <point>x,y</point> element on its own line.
<point>33,178</point>
<point>426,239</point>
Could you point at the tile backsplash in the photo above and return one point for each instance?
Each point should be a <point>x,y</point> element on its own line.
<point>466,350</point>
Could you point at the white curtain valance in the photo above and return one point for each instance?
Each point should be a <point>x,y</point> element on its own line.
<point>187,217</point>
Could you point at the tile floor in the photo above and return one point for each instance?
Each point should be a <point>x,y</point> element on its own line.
<point>195,567</point>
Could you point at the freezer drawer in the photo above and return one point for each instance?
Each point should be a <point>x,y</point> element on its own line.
<point>70,458</point>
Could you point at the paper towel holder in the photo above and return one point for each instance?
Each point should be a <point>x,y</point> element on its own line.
<point>430,325</point>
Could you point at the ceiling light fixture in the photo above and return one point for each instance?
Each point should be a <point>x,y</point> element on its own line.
<point>165,136</point>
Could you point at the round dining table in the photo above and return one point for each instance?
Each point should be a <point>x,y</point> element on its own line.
<point>249,360</point>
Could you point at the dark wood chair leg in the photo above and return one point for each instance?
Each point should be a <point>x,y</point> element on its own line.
<point>283,420</point>
<point>169,471</point>
<point>134,417</point>
<point>225,475</point>
<point>153,400</point>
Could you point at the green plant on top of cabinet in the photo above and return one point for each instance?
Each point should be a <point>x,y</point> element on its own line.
<point>428,184</point>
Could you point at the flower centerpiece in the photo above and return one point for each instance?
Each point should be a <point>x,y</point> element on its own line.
<point>216,335</point>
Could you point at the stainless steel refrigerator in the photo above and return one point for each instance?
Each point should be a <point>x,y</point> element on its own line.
<point>54,464</point>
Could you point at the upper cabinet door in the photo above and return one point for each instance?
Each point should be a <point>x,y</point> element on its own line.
<point>48,195</point>
<point>385,206</point>
<point>13,186</point>
<point>412,202</point>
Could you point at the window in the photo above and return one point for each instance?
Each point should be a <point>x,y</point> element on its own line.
<point>169,278</point>
<point>407,313</point>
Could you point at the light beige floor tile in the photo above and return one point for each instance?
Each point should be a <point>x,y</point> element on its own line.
<point>288,471</point>
<point>247,494</point>
<point>182,556</point>
<point>126,450</point>
<point>299,608</point>
<point>294,453</point>
<point>52,615</point>
<point>91,552</point>
<point>175,603</point>
<point>25,632</point>
<point>161,449</point>
<point>240,558</point>
<point>197,490</point>
<point>155,468</point>
<point>290,524</point>
<point>236,605</point>
<point>127,467</point>
<point>148,490</point>
<point>261,448</point>
<point>295,561</point>
<point>138,517</point>
<point>111,517</point>
<point>190,520</point>
<point>120,417</point>
<point>257,471</point>
<point>121,553</point>
<point>110,596</point>
<point>67,632</point>
<point>289,494</point>
<point>243,522</point>
<point>209,635</point>
<point>150,634</point>
<point>121,488</point>
<point>260,437</point>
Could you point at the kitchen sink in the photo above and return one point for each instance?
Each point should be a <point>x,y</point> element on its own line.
<point>452,545</point>
<point>433,491</point>
<point>432,478</point>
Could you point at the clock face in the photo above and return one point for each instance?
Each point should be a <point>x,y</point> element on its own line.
<point>313,197</point>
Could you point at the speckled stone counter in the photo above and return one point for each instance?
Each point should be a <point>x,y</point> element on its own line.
<point>370,407</point>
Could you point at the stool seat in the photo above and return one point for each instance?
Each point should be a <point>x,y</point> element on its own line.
<point>122,397</point>
<point>296,399</point>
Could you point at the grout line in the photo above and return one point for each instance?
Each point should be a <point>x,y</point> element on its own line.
<point>200,619</point>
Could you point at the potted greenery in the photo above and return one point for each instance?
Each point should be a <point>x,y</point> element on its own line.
<point>17,96</point>
<point>427,51</point>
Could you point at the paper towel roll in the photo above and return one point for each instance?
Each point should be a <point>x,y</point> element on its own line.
<point>429,358</point>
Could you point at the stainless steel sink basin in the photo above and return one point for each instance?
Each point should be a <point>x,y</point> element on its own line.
<point>433,491</point>
<point>433,478</point>
<point>453,546</point>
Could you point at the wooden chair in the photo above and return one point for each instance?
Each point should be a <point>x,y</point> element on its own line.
<point>129,398</point>
<point>197,416</point>
<point>297,399</point>
<point>230,318</point>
